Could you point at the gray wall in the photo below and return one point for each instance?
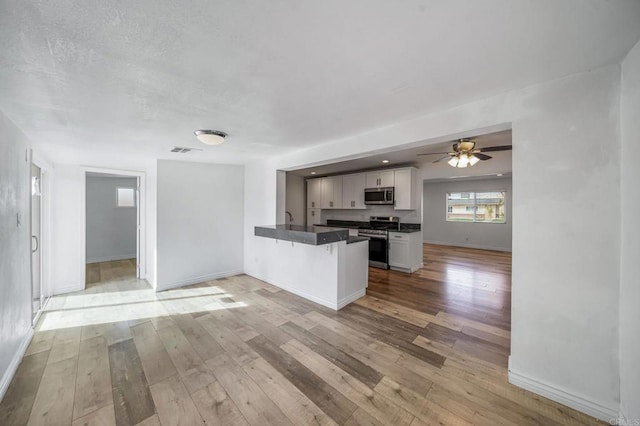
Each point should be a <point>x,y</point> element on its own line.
<point>111,230</point>
<point>200,222</point>
<point>296,202</point>
<point>15,253</point>
<point>630,267</point>
<point>436,229</point>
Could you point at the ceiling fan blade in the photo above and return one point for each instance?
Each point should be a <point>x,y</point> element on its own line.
<point>434,153</point>
<point>482,157</point>
<point>496,148</point>
<point>443,158</point>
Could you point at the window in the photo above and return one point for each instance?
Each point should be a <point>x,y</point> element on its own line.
<point>126,197</point>
<point>484,207</point>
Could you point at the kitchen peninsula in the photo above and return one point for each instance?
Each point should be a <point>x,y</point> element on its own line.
<point>322,264</point>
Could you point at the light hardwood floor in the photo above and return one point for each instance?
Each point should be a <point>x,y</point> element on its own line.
<point>423,349</point>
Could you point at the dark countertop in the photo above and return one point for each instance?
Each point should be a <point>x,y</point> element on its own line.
<point>351,224</point>
<point>352,239</point>
<point>405,228</point>
<point>312,235</point>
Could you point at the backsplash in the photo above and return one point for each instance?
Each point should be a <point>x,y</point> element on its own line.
<point>406,216</point>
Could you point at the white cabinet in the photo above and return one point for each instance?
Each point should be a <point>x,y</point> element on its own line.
<point>381,179</point>
<point>331,192</point>
<point>313,217</point>
<point>405,188</point>
<point>405,251</point>
<point>347,191</point>
<point>398,254</point>
<point>314,193</point>
<point>353,191</point>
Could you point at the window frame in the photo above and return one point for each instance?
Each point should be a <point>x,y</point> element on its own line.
<point>473,195</point>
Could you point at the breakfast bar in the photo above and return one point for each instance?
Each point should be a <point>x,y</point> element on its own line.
<point>322,264</point>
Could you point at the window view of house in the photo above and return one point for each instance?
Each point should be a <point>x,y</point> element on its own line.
<point>485,207</point>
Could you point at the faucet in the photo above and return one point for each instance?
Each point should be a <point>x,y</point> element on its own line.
<point>290,216</point>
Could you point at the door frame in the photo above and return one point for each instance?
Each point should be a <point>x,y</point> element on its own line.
<point>45,230</point>
<point>141,211</point>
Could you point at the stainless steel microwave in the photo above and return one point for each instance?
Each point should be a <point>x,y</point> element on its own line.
<point>379,195</point>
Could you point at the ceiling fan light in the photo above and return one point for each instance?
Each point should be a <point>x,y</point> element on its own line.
<point>453,162</point>
<point>464,161</point>
<point>210,137</point>
<point>466,145</point>
<point>473,160</point>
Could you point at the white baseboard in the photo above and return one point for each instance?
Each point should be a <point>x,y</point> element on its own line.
<point>302,294</point>
<point>351,298</point>
<point>67,289</point>
<point>473,246</point>
<point>15,362</point>
<point>326,303</point>
<point>407,270</point>
<point>598,410</point>
<point>200,279</point>
<point>110,258</point>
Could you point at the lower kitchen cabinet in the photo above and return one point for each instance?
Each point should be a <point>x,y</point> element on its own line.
<point>405,251</point>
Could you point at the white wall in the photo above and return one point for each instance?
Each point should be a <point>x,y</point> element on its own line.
<point>15,251</point>
<point>436,229</point>
<point>565,267</point>
<point>67,205</point>
<point>296,201</point>
<point>110,230</point>
<point>200,222</point>
<point>630,265</point>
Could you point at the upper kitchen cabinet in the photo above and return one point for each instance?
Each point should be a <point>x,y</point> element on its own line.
<point>353,191</point>
<point>380,179</point>
<point>314,194</point>
<point>331,192</point>
<point>405,181</point>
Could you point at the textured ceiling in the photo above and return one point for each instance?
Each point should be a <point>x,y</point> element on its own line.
<point>140,76</point>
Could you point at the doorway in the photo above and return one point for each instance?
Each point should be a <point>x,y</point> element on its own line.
<point>38,296</point>
<point>113,239</point>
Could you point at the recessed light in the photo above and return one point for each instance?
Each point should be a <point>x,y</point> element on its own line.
<point>385,161</point>
<point>313,173</point>
<point>210,137</point>
<point>499,174</point>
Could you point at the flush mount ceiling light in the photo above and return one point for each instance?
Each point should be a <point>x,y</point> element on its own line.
<point>465,153</point>
<point>385,161</point>
<point>210,137</point>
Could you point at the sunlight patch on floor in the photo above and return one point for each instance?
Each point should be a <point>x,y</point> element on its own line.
<point>100,308</point>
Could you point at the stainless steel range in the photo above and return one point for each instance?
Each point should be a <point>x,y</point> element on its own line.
<point>378,235</point>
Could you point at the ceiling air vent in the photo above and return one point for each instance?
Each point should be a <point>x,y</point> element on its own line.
<point>183,150</point>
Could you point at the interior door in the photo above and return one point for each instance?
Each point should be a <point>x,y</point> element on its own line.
<point>36,240</point>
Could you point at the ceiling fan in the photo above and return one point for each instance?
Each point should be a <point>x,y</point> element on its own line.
<point>466,154</point>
